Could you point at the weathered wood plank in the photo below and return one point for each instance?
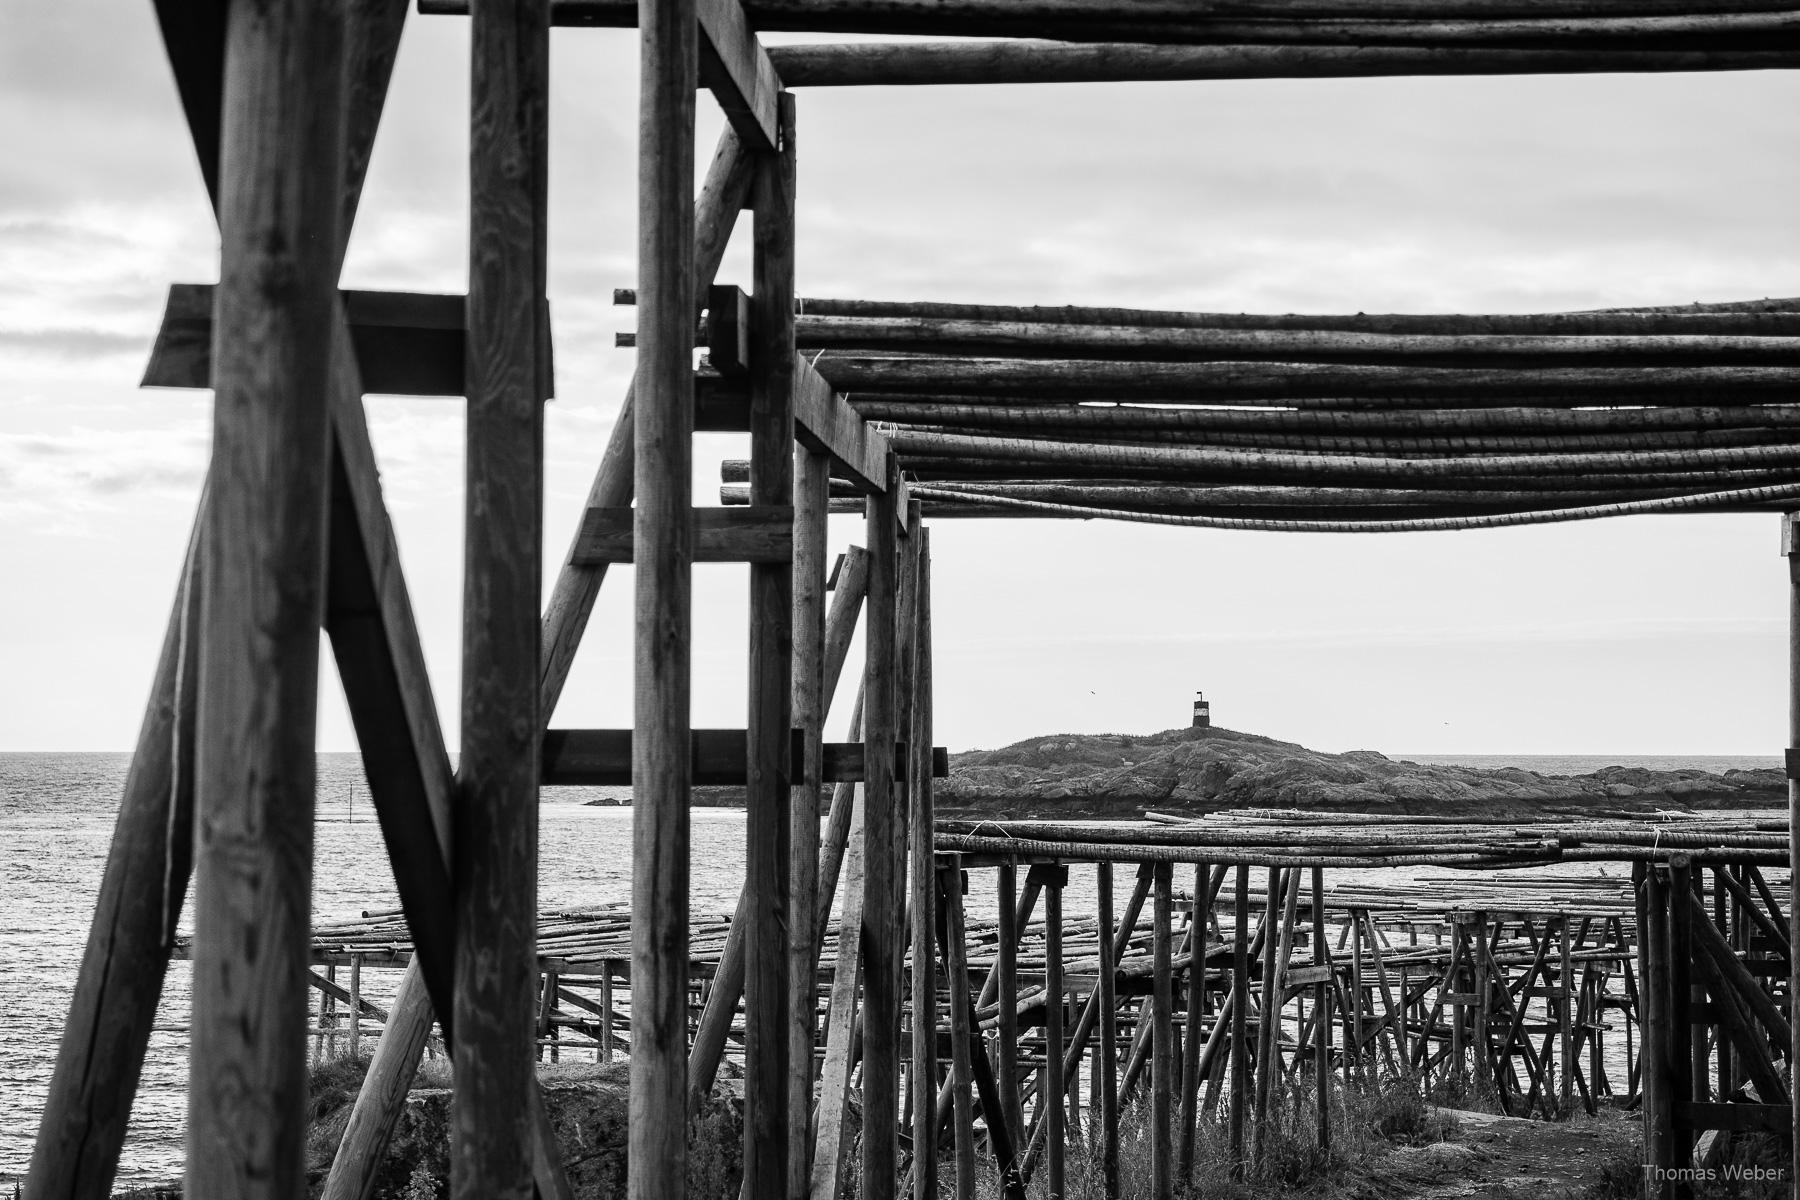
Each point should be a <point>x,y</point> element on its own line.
<point>768,814</point>
<point>737,70</point>
<point>811,509</point>
<point>279,198</point>
<point>826,423</point>
<point>881,917</point>
<point>495,847</point>
<point>761,533</point>
<point>661,779</point>
<point>407,343</point>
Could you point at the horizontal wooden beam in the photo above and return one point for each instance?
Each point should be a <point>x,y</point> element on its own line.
<point>823,421</point>
<point>757,534</point>
<point>602,758</point>
<point>407,343</point>
<point>737,71</point>
<point>903,64</point>
<point>734,67</point>
<point>1254,21</point>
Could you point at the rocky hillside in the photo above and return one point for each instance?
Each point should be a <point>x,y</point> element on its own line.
<point>1198,770</point>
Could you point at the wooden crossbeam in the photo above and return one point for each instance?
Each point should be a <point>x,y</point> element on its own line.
<point>602,758</point>
<point>737,71</point>
<point>407,343</point>
<point>761,533</point>
<point>734,67</point>
<point>823,421</point>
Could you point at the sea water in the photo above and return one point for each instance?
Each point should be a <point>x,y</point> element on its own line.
<point>56,818</point>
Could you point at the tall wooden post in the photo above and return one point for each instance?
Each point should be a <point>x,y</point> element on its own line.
<point>1051,1099</point>
<point>280,195</point>
<point>1196,1001</point>
<point>812,472</point>
<point>1322,1015</point>
<point>1240,1001</point>
<point>1268,1028</point>
<point>1655,993</point>
<point>1006,981</point>
<point>1162,1038</point>
<point>1790,546</point>
<point>1108,1064</point>
<point>768,819</point>
<point>881,917</point>
<point>495,842</point>
<point>925,882</point>
<point>663,552</point>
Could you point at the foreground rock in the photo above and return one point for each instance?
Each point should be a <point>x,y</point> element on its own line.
<point>1204,770</point>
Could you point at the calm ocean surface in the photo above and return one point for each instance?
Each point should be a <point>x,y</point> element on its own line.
<point>56,815</point>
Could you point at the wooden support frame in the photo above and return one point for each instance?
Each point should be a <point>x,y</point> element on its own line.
<point>768,816</point>
<point>663,432</point>
<point>495,821</point>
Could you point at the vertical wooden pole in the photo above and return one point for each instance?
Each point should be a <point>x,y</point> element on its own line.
<point>1682,1078</point>
<point>663,553</point>
<point>1162,1033</point>
<point>1322,1016</point>
<point>1790,547</point>
<point>1196,1002</point>
<point>1108,1065</point>
<point>881,944</point>
<point>280,194</point>
<point>356,1006</point>
<point>1050,1096</point>
<point>768,819</point>
<point>812,473</point>
<point>1006,974</point>
<point>962,1033</point>
<point>1268,1029</point>
<point>925,922</point>
<point>495,818</point>
<point>1722,919</point>
<point>1657,1061</point>
<point>1240,1002</point>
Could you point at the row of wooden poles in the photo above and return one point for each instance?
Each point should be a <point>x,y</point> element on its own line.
<point>1248,40</point>
<point>1024,411</point>
<point>1227,1000</point>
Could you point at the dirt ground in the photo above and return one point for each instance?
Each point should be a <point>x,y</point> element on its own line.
<point>1506,1158</point>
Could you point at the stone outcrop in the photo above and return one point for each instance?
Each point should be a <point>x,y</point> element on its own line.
<point>1200,770</point>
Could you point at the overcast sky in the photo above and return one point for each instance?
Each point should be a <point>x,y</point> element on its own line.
<point>1644,635</point>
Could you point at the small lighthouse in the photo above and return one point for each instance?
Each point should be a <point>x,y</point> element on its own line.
<point>1202,711</point>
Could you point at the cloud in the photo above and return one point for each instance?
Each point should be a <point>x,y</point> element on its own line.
<point>62,479</point>
<point>72,343</point>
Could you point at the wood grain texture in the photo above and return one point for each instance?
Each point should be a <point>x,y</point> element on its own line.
<point>768,799</point>
<point>881,915</point>
<point>1790,528</point>
<point>921,824</point>
<point>1052,1101</point>
<point>736,69</point>
<point>812,473</point>
<point>664,621</point>
<point>1023,61</point>
<point>1162,1039</point>
<point>280,191</point>
<point>761,533</point>
<point>826,423</point>
<point>496,841</point>
<point>407,343</point>
<point>965,1036</point>
<point>572,597</point>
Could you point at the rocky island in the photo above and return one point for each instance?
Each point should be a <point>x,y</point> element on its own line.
<point>1198,770</point>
